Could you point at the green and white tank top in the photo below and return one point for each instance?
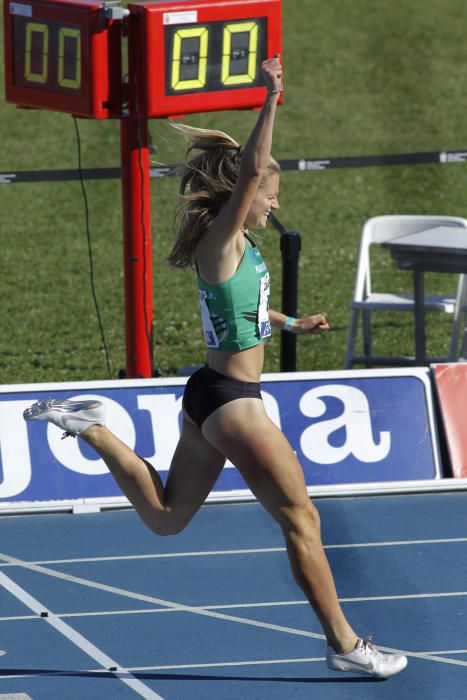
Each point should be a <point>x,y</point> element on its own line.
<point>235,313</point>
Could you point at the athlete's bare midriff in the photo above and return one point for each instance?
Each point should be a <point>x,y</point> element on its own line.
<point>244,365</point>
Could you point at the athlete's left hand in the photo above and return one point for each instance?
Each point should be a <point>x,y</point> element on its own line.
<point>315,324</point>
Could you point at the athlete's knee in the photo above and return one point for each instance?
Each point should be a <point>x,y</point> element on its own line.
<point>168,529</point>
<point>166,524</point>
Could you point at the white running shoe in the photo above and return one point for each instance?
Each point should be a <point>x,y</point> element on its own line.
<point>366,659</point>
<point>72,416</point>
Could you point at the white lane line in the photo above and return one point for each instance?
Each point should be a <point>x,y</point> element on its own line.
<point>229,552</point>
<point>220,664</point>
<point>396,543</point>
<point>449,651</point>
<point>158,601</point>
<point>240,606</point>
<point>98,613</point>
<point>267,662</point>
<point>166,555</point>
<point>199,610</point>
<point>77,639</point>
<point>433,657</point>
<point>410,596</point>
<point>365,599</point>
<point>258,662</point>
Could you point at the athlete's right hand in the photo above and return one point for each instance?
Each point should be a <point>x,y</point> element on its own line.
<point>272,72</point>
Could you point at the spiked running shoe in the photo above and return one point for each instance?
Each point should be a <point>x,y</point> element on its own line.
<point>366,659</point>
<point>72,416</point>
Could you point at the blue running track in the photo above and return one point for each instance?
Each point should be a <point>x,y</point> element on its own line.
<point>95,606</point>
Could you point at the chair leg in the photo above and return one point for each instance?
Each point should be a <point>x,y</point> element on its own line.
<point>352,334</point>
<point>463,349</point>
<point>459,318</point>
<point>367,334</point>
<point>453,348</point>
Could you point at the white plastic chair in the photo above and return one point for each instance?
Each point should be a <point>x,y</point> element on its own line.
<point>377,230</point>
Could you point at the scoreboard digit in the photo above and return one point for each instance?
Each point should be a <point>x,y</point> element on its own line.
<point>201,56</point>
<point>58,55</point>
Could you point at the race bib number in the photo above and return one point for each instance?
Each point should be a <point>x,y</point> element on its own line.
<point>210,335</point>
<point>264,324</point>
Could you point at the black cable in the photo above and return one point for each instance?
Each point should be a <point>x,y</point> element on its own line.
<point>91,262</point>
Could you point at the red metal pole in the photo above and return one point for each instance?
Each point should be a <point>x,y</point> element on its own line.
<point>137,254</point>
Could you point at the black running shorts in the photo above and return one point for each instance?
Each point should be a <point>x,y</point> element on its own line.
<point>207,390</point>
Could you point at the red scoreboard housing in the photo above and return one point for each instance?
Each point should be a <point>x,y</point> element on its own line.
<point>200,55</point>
<point>63,55</point>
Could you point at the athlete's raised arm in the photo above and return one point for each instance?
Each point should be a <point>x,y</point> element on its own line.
<point>255,157</point>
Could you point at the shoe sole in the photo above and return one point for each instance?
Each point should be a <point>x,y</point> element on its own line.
<point>367,672</point>
<point>41,408</point>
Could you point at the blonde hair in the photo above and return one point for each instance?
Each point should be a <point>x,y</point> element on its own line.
<point>207,180</point>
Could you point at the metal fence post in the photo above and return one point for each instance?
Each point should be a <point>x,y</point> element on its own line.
<point>290,245</point>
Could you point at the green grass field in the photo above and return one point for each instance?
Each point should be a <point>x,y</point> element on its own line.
<point>362,77</point>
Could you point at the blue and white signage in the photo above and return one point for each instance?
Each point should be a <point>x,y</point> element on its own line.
<point>347,428</point>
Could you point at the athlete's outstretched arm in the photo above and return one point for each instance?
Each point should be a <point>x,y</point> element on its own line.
<point>315,324</point>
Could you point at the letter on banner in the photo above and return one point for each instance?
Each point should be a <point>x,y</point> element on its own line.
<point>355,419</point>
<point>14,448</point>
<point>164,410</point>
<point>68,452</point>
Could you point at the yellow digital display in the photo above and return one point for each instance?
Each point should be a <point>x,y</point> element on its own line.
<point>240,42</point>
<point>214,55</point>
<point>48,55</point>
<point>189,58</point>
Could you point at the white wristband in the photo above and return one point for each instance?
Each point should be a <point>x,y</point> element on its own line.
<point>289,324</point>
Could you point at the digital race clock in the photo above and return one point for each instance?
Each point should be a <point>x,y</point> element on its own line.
<point>184,56</point>
<point>62,55</point>
<point>200,55</point>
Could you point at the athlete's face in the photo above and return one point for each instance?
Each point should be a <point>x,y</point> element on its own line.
<point>264,203</point>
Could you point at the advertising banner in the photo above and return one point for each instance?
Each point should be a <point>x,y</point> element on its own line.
<point>349,428</point>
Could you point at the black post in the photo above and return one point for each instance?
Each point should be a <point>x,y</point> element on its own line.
<point>290,244</point>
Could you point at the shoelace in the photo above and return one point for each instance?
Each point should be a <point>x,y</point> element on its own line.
<point>370,649</point>
<point>367,643</point>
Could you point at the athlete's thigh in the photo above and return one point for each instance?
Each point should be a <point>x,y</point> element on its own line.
<point>244,433</point>
<point>194,469</point>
